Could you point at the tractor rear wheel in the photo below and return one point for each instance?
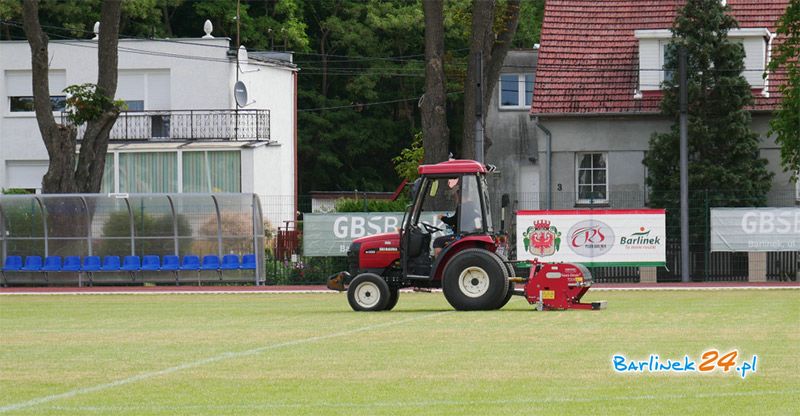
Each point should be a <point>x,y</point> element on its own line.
<point>394,295</point>
<point>475,279</point>
<point>368,292</point>
<point>511,285</point>
<point>511,288</point>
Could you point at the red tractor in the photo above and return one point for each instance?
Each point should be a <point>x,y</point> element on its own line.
<point>468,263</point>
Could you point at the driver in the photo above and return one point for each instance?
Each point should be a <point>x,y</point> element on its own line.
<point>452,220</point>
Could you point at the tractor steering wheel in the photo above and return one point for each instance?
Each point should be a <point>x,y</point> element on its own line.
<point>430,228</point>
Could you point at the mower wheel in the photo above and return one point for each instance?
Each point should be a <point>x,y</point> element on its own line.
<point>394,295</point>
<point>475,279</point>
<point>368,292</point>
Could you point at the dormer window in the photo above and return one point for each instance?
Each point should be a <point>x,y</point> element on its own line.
<point>654,45</point>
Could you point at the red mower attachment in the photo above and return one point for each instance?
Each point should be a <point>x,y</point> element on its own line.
<point>559,286</point>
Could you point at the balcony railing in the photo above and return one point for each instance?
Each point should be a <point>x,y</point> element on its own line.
<point>240,125</point>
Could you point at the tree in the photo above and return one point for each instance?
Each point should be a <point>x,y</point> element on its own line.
<point>494,25</point>
<point>64,175</point>
<point>785,123</point>
<point>723,149</point>
<point>436,135</point>
<point>359,90</point>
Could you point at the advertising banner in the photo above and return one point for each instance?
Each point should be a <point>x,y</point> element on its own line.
<point>755,229</point>
<point>593,237</point>
<point>331,234</point>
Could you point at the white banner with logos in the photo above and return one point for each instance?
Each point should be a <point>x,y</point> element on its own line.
<point>755,229</point>
<point>593,237</point>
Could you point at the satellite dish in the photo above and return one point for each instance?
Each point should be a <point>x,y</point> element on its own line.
<point>240,93</point>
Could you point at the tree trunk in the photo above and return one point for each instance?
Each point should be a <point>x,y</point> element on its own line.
<point>58,140</point>
<point>92,158</point>
<point>435,134</point>
<point>63,176</point>
<point>493,48</point>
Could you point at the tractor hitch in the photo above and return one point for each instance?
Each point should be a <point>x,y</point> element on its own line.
<point>336,281</point>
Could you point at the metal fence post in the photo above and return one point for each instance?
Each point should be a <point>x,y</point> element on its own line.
<point>88,226</point>
<point>219,226</point>
<point>44,226</point>
<point>132,227</point>
<point>707,242</point>
<point>174,225</point>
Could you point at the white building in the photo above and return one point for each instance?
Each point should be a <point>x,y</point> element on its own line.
<point>183,130</point>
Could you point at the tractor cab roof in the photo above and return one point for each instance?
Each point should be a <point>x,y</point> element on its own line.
<point>455,166</point>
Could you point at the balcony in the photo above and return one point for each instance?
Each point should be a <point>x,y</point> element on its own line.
<point>181,125</point>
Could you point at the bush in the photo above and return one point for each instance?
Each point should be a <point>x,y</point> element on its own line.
<point>116,234</point>
<point>372,205</point>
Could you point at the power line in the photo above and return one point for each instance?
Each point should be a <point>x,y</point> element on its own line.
<point>369,104</point>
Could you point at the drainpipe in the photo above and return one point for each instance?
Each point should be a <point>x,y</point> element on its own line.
<point>549,162</point>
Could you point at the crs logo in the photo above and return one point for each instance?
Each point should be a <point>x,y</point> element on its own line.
<point>590,238</point>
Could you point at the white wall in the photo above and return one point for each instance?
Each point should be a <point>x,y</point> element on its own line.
<point>273,177</point>
<point>166,74</point>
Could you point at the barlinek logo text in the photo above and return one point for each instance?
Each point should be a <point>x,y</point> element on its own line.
<point>640,239</point>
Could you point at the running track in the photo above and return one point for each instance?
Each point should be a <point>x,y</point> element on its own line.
<point>322,289</point>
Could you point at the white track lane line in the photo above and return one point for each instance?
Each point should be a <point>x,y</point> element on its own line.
<point>217,358</point>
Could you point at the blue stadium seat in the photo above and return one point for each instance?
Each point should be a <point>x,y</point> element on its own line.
<point>249,262</point>
<point>210,262</point>
<point>110,264</point>
<point>190,262</point>
<point>32,264</point>
<point>131,264</point>
<point>13,264</point>
<point>72,264</point>
<point>150,263</point>
<point>230,262</point>
<point>52,264</point>
<point>91,264</point>
<point>171,263</point>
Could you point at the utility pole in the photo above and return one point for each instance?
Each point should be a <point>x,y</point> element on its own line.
<point>684,163</point>
<point>479,109</point>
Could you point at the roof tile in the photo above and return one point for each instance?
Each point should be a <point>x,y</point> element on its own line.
<point>588,60</point>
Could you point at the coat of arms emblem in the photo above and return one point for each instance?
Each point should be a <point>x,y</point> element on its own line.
<point>542,239</point>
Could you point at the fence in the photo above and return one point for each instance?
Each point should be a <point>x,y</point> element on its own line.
<point>220,224</point>
<point>289,266</point>
<point>88,225</point>
<point>189,125</point>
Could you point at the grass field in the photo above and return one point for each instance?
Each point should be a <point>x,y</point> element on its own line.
<point>299,354</point>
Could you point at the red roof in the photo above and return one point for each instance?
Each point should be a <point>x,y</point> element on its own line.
<point>589,57</point>
<point>452,166</point>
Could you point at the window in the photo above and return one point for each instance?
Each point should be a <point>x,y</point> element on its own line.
<point>19,90</point>
<point>134,105</point>
<point>653,51</point>
<point>516,90</point>
<point>155,172</point>
<point>218,171</point>
<point>25,104</point>
<point>592,174</point>
<point>667,49</point>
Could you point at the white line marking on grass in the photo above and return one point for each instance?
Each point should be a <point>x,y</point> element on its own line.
<point>421,403</point>
<point>210,360</point>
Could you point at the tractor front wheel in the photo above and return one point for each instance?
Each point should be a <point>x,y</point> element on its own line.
<point>475,279</point>
<point>368,292</point>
